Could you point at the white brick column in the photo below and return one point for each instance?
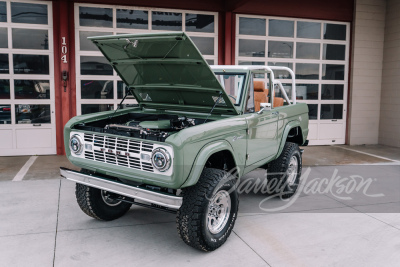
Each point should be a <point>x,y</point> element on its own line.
<point>389,129</point>
<point>366,71</point>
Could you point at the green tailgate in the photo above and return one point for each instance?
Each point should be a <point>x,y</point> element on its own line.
<point>166,71</point>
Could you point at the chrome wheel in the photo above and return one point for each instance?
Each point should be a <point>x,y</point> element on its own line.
<point>109,201</point>
<point>292,170</point>
<point>219,209</point>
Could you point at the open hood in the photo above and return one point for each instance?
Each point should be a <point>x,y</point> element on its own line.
<point>166,71</point>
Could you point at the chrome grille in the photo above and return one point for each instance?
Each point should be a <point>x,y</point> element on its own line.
<point>121,145</point>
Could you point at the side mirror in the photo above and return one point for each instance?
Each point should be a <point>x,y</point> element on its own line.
<point>264,106</point>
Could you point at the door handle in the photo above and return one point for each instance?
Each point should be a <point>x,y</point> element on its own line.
<point>275,113</point>
<point>37,124</point>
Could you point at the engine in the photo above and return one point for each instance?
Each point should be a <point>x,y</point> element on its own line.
<point>156,129</point>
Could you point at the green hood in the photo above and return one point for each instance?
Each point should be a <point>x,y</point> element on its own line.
<point>166,71</point>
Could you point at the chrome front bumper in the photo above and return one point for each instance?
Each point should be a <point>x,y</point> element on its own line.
<point>152,197</point>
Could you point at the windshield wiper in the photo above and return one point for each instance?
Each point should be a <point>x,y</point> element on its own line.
<point>216,102</point>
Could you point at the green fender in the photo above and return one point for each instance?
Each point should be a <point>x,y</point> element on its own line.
<point>202,157</point>
<point>288,127</point>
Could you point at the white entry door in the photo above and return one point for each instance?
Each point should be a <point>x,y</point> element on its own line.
<point>27,111</point>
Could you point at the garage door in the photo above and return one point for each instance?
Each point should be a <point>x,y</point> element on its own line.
<point>27,121</point>
<point>98,87</point>
<point>318,53</point>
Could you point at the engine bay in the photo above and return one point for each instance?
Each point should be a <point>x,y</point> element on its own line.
<point>144,126</point>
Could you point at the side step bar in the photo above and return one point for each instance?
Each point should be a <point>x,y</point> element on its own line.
<point>161,199</point>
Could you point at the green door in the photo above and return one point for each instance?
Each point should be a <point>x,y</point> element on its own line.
<point>262,142</point>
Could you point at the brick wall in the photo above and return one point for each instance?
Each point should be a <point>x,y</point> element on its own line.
<point>389,129</point>
<point>366,71</point>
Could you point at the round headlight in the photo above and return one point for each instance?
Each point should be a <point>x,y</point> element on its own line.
<point>75,144</point>
<point>161,159</point>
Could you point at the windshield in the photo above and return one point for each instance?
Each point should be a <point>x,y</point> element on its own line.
<point>233,84</point>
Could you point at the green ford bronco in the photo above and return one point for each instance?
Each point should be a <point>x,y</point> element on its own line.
<point>195,131</point>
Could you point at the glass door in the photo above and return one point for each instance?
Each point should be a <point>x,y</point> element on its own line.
<point>317,52</point>
<point>98,87</point>
<point>27,120</point>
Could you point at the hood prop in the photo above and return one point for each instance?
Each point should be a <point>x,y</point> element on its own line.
<point>216,102</point>
<point>120,104</point>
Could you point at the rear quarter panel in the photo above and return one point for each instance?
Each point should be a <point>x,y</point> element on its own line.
<point>289,117</point>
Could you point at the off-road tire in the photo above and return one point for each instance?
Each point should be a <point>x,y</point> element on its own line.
<point>91,202</point>
<point>278,172</point>
<point>191,218</point>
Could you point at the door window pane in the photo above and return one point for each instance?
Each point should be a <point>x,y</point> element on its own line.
<point>312,111</point>
<point>31,89</point>
<point>251,48</point>
<point>92,108</point>
<point>210,61</point>
<point>38,39</point>
<point>334,32</point>
<point>311,30</point>
<point>28,13</point>
<point>307,91</point>
<point>95,66</point>
<point>95,17</point>
<point>4,68</point>
<point>307,50</point>
<point>4,89</point>
<point>281,74</point>
<point>31,64</point>
<point>97,89</point>
<point>204,44</point>
<point>27,114</point>
<point>332,72</point>
<point>122,89</point>
<point>288,89</point>
<point>85,44</point>
<point>3,38</point>
<point>199,23</point>
<point>132,19</point>
<point>3,12</point>
<point>167,21</point>
<point>259,63</point>
<point>334,52</point>
<point>331,111</point>
<point>332,91</point>
<point>280,49</point>
<point>252,26</point>
<point>281,28</point>
<point>307,71</point>
<point>5,114</point>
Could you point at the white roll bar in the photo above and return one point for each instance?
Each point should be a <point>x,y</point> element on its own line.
<point>267,69</point>
<point>280,84</point>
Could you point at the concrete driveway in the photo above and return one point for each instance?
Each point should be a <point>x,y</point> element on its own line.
<point>41,224</point>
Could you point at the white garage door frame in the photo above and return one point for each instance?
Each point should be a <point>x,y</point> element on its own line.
<point>115,100</point>
<point>28,138</point>
<point>322,131</point>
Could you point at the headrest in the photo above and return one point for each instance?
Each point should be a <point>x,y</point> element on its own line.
<point>259,86</point>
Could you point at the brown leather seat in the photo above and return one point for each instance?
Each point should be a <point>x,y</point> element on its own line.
<point>259,95</point>
<point>278,102</point>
